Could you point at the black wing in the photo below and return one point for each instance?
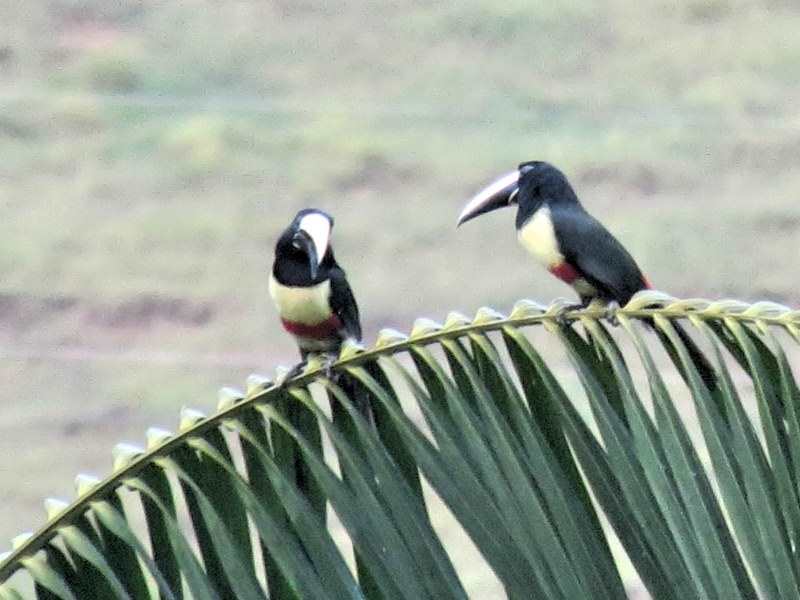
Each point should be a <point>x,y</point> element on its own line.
<point>344,304</point>
<point>597,255</point>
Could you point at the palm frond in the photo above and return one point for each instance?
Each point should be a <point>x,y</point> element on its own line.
<point>547,478</point>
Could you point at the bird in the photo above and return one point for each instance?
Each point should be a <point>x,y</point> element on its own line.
<point>310,290</point>
<point>554,227</point>
<point>317,307</point>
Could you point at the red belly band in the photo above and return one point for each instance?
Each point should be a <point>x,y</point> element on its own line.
<point>565,272</point>
<point>647,284</point>
<point>319,331</point>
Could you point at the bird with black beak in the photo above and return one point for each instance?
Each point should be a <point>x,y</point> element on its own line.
<point>553,226</point>
<point>309,288</point>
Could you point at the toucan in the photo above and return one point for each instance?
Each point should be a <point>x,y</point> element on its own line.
<point>310,289</point>
<point>569,242</point>
<point>317,307</point>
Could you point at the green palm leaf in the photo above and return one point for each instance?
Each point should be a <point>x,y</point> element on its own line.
<point>548,477</point>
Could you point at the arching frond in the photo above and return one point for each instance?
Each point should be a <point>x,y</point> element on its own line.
<point>547,474</point>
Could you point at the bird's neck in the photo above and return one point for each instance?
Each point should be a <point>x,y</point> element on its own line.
<point>294,271</point>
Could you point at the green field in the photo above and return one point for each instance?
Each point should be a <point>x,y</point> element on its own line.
<point>152,151</point>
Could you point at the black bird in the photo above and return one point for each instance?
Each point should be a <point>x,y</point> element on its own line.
<point>309,288</point>
<point>574,246</point>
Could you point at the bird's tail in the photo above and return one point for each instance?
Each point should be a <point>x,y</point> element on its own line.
<point>701,363</point>
<point>358,394</point>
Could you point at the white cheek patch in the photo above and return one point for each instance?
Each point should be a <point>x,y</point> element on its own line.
<point>318,227</point>
<point>538,236</point>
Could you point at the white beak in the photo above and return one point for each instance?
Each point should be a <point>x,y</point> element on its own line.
<point>497,194</point>
<point>318,228</point>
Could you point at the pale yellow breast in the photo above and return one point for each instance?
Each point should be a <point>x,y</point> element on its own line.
<point>307,305</point>
<point>538,237</point>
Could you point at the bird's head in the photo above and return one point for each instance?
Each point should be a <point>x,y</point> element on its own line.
<point>306,241</point>
<point>531,185</point>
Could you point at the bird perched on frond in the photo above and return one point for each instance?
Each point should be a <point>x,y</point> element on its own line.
<point>310,289</point>
<point>554,227</point>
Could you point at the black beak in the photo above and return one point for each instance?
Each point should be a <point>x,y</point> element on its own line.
<point>498,194</point>
<point>302,241</point>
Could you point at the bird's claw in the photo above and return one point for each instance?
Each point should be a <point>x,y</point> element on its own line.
<point>292,373</point>
<point>327,367</point>
<point>561,317</point>
<point>611,313</point>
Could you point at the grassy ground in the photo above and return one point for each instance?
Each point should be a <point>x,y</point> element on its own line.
<point>152,151</point>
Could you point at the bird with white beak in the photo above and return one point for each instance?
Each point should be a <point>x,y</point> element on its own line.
<point>309,288</point>
<point>555,228</point>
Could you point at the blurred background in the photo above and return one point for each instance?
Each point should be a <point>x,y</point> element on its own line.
<point>151,151</point>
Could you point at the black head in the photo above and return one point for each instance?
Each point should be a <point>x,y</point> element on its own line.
<point>304,247</point>
<point>533,184</point>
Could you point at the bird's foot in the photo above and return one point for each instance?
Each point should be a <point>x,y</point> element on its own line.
<point>561,317</point>
<point>611,313</point>
<point>327,367</point>
<point>292,373</point>
<point>323,362</point>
